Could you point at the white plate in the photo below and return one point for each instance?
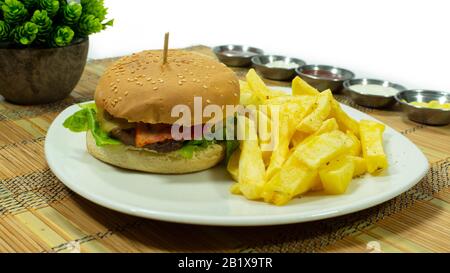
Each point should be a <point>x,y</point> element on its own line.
<point>204,198</point>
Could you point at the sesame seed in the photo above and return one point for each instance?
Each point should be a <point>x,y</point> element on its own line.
<point>153,82</point>
<point>155,88</point>
<point>180,82</point>
<point>208,101</point>
<point>205,86</point>
<point>235,94</point>
<point>160,80</point>
<point>149,79</point>
<point>126,93</point>
<point>180,76</point>
<point>118,80</point>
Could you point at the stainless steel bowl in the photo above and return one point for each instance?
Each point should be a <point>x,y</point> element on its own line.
<point>322,83</point>
<point>236,55</point>
<point>260,63</point>
<point>424,115</point>
<point>369,100</point>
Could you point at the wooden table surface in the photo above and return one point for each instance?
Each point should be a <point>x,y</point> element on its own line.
<point>39,214</point>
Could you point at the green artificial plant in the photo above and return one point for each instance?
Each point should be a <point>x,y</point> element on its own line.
<point>50,23</point>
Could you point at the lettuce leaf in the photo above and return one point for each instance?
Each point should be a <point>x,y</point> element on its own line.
<point>187,151</point>
<point>84,120</point>
<point>190,147</point>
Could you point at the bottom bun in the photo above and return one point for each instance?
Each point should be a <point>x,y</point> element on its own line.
<point>132,158</point>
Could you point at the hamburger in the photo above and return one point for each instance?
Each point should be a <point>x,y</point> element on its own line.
<point>130,124</point>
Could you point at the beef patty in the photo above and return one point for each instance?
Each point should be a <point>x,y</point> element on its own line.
<point>127,137</point>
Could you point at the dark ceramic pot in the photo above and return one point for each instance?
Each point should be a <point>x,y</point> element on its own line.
<point>41,75</point>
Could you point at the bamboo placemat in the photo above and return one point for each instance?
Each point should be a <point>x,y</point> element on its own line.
<point>39,214</point>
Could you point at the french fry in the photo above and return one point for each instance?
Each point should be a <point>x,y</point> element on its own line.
<point>354,144</point>
<point>300,87</point>
<point>295,179</point>
<point>244,87</point>
<point>371,133</point>
<point>360,165</point>
<point>251,174</point>
<point>322,149</point>
<point>277,93</point>
<point>337,175</point>
<point>257,85</point>
<point>290,113</point>
<point>249,98</point>
<point>264,135</point>
<point>320,112</point>
<point>328,125</point>
<point>233,165</point>
<point>304,100</point>
<point>296,112</point>
<point>281,148</point>
<point>346,123</point>
<point>234,189</point>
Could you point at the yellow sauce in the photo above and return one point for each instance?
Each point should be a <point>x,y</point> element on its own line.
<point>431,104</point>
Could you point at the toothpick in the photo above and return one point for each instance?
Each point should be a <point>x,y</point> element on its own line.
<point>166,47</point>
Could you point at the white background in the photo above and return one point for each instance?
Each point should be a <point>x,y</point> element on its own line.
<point>407,42</point>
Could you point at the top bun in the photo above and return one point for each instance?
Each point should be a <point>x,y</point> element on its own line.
<point>140,88</point>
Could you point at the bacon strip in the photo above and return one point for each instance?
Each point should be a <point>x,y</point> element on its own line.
<point>146,134</point>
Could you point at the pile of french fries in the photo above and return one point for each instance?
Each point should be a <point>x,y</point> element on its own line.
<point>319,147</point>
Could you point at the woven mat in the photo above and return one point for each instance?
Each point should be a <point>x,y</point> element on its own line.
<point>39,214</point>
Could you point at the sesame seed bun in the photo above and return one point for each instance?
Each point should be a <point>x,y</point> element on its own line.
<point>140,88</point>
<point>132,158</point>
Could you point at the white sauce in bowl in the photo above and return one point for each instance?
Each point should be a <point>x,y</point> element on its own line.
<point>374,89</point>
<point>282,64</point>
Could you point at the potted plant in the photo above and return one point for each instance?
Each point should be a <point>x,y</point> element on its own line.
<point>44,46</point>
